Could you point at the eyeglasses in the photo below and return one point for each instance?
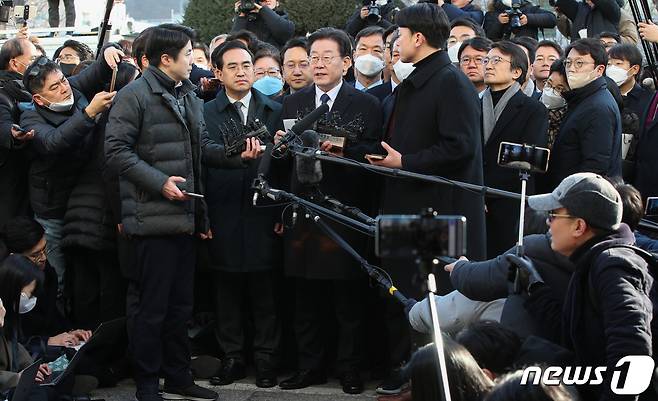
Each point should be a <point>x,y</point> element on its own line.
<point>326,60</point>
<point>494,60</point>
<point>466,60</point>
<point>67,58</point>
<point>272,72</point>
<point>552,216</point>
<point>578,63</point>
<point>233,68</point>
<point>302,65</point>
<point>35,70</point>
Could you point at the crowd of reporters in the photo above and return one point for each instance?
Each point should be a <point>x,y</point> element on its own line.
<point>103,161</point>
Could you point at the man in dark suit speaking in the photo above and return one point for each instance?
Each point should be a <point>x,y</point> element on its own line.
<point>433,127</point>
<point>323,271</point>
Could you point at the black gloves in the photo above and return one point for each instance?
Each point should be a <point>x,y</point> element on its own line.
<point>526,277</point>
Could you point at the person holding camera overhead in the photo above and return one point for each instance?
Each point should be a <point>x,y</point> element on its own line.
<point>373,13</point>
<point>507,19</point>
<point>263,18</point>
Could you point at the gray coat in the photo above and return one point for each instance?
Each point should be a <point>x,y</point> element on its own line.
<point>155,131</point>
<point>487,281</point>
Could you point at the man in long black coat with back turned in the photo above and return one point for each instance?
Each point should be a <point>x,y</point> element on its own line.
<point>433,128</point>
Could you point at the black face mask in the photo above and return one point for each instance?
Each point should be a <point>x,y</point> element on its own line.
<point>67,69</point>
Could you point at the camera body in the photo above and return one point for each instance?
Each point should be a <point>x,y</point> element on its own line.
<point>374,10</point>
<point>247,6</point>
<point>515,14</point>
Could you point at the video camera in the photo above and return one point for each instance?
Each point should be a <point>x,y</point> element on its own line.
<point>20,14</point>
<point>427,235</point>
<point>515,14</point>
<point>374,10</point>
<point>247,6</point>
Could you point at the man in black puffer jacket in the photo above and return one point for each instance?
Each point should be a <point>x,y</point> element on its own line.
<point>63,121</point>
<point>269,23</point>
<point>607,313</point>
<point>156,140</point>
<point>498,25</point>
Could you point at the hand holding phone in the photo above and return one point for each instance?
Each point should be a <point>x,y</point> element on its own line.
<point>193,195</point>
<point>375,157</point>
<point>114,78</point>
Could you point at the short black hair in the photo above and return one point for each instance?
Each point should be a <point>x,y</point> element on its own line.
<point>627,52</point>
<point>631,201</point>
<point>9,50</point>
<point>550,43</point>
<point>478,43</point>
<point>467,22</point>
<point>390,31</point>
<point>608,34</point>
<point>217,57</point>
<point>139,46</point>
<point>558,66</point>
<point>494,346</point>
<point>21,233</point>
<point>83,51</point>
<point>517,57</point>
<point>36,73</point>
<point>342,40</point>
<point>428,19</point>
<point>593,47</point>
<point>528,43</point>
<point>292,44</point>
<point>203,47</point>
<point>247,36</point>
<point>369,31</point>
<point>168,41</point>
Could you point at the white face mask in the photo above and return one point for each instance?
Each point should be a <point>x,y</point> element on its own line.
<point>617,74</point>
<point>202,66</point>
<point>552,99</point>
<point>453,52</point>
<point>579,79</point>
<point>369,65</point>
<point>403,70</point>
<point>26,303</point>
<point>62,106</point>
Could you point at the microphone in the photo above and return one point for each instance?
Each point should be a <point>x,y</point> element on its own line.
<point>308,167</point>
<point>263,169</point>
<point>302,125</point>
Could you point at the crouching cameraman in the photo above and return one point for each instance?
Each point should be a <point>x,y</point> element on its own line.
<point>264,18</point>
<point>512,18</point>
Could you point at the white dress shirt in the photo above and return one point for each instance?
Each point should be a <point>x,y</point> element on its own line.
<point>333,94</point>
<point>246,100</point>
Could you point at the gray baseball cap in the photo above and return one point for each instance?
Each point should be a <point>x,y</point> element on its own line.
<point>586,195</point>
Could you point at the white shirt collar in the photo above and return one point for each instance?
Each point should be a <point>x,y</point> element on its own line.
<point>333,94</point>
<point>246,100</point>
<point>359,86</point>
<point>393,85</point>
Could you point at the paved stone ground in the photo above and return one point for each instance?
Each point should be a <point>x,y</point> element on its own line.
<point>245,390</point>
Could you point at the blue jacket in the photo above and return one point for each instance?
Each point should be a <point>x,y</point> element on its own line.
<point>590,137</point>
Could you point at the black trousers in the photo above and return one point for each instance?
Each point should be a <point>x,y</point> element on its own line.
<point>159,308</point>
<point>315,302</point>
<point>97,284</point>
<point>53,12</point>
<point>248,298</point>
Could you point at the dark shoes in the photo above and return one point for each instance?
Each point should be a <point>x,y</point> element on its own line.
<point>191,393</point>
<point>351,382</point>
<point>266,379</point>
<point>302,379</point>
<point>231,370</point>
<point>204,367</point>
<point>393,384</point>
